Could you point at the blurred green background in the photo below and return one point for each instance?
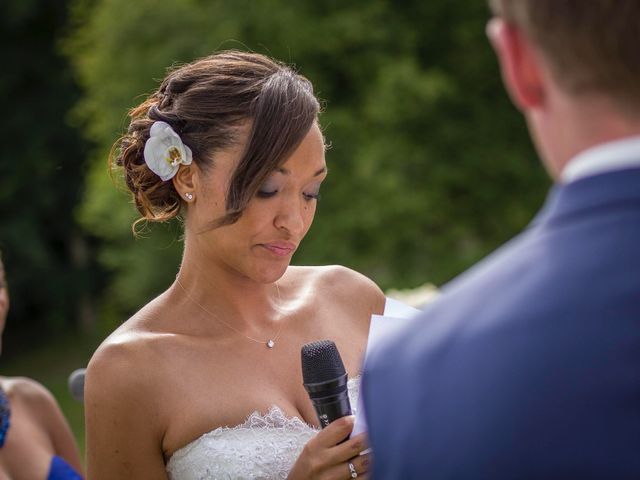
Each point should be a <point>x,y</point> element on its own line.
<point>431,166</point>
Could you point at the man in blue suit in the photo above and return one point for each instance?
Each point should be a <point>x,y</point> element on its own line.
<point>528,365</point>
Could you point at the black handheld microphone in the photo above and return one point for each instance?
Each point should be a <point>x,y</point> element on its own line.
<point>325,379</point>
<point>76,384</point>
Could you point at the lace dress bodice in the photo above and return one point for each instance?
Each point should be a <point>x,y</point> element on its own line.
<point>263,447</point>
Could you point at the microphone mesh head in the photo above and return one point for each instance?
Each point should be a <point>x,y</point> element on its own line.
<point>76,384</point>
<point>321,362</point>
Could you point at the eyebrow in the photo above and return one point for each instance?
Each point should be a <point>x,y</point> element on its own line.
<point>285,171</point>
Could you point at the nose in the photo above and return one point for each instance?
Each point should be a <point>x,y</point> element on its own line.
<point>291,216</point>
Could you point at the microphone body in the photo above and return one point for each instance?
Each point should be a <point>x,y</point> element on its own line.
<point>330,399</point>
<point>76,384</point>
<point>325,380</point>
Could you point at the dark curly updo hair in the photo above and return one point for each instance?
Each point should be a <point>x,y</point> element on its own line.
<point>205,102</point>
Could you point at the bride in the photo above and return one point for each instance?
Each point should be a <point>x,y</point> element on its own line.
<point>205,381</point>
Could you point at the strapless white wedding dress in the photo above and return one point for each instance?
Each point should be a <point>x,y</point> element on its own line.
<point>263,447</point>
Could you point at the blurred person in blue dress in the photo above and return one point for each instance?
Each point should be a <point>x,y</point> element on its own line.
<point>36,442</point>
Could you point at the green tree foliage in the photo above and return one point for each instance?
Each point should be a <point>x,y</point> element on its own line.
<point>431,167</point>
<point>41,176</point>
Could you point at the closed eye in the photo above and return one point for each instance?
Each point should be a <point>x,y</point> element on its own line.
<point>311,196</point>
<point>265,193</point>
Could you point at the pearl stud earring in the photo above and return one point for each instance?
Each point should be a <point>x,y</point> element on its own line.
<point>189,195</point>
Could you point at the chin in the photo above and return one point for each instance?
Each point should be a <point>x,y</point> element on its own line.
<point>271,275</point>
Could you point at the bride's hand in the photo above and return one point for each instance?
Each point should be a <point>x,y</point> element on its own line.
<point>324,457</point>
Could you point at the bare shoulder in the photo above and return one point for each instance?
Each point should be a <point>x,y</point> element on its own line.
<point>350,282</point>
<point>131,346</point>
<point>30,393</point>
<point>112,361</point>
<point>125,417</point>
<point>40,409</point>
<point>121,364</point>
<point>35,400</point>
<point>121,401</point>
<point>344,285</point>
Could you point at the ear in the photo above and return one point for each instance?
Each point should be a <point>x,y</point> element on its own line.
<point>185,181</point>
<point>520,64</point>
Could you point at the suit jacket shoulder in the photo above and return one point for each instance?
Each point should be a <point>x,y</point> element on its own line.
<point>526,366</point>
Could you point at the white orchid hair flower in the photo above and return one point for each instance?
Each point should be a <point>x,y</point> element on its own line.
<point>164,151</point>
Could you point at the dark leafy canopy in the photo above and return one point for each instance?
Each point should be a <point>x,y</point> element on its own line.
<point>41,176</point>
<point>431,167</point>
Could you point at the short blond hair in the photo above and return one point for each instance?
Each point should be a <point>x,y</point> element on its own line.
<point>591,45</point>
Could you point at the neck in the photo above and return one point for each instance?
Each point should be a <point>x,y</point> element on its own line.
<point>251,307</point>
<point>572,124</point>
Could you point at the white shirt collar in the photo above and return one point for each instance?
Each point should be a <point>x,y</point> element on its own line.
<point>606,157</point>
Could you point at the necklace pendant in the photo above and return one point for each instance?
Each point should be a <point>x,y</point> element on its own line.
<point>270,344</point>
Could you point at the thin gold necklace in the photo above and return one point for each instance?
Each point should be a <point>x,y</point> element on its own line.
<point>270,343</point>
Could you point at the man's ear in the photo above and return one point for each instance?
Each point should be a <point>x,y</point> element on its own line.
<point>185,181</point>
<point>520,64</point>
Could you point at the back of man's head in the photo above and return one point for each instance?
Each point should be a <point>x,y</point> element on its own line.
<point>591,46</point>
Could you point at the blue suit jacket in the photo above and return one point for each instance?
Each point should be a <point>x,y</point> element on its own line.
<point>528,366</point>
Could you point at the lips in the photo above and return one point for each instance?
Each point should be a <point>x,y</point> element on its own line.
<point>281,249</point>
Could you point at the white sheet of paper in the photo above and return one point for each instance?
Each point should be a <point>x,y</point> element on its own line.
<point>395,309</point>
<point>396,315</point>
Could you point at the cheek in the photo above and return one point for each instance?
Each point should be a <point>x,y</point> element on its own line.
<point>309,212</point>
<point>250,227</point>
<point>206,210</point>
<point>212,193</point>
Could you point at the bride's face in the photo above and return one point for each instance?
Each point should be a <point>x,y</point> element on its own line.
<point>261,243</point>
